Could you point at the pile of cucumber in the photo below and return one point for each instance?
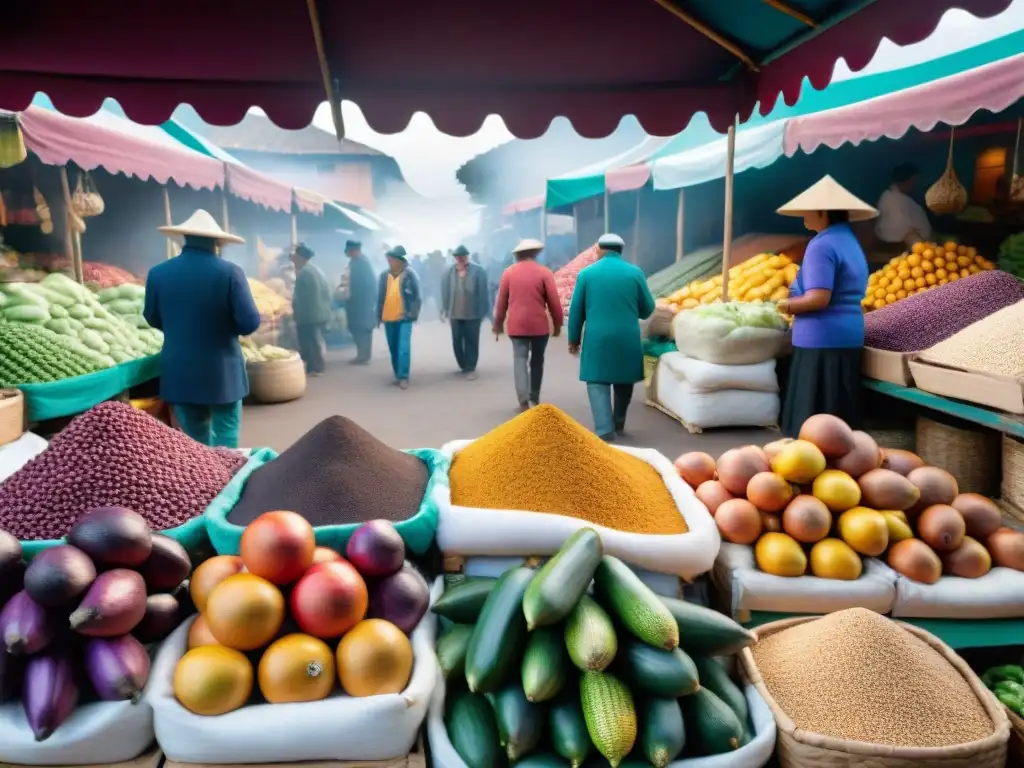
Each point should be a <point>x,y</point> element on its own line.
<point>542,672</point>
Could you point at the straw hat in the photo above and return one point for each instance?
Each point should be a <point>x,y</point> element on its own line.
<point>202,224</point>
<point>529,244</point>
<point>828,195</point>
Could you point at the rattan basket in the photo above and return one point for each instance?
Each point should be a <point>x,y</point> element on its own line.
<point>1015,748</point>
<point>1012,489</point>
<point>970,454</point>
<point>895,439</point>
<point>277,381</point>
<point>800,749</point>
<point>12,415</point>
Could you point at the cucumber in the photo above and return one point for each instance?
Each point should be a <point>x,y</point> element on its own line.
<point>662,732</point>
<point>634,605</point>
<point>473,731</point>
<point>545,664</point>
<point>520,722</point>
<point>500,633</point>
<point>590,636</point>
<point>705,632</point>
<point>451,650</point>
<point>715,678</point>
<point>569,734</point>
<point>542,760</point>
<point>711,723</point>
<point>463,602</point>
<point>609,714</point>
<point>670,674</point>
<point>563,580</point>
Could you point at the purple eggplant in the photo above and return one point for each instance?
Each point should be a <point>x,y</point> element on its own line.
<point>114,537</point>
<point>50,692</point>
<point>163,615</point>
<point>113,606</point>
<point>25,626</point>
<point>59,575</point>
<point>118,667</point>
<point>167,565</point>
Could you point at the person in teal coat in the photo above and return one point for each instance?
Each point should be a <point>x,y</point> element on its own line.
<point>610,299</point>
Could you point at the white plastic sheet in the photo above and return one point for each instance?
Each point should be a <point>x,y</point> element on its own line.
<point>999,594</point>
<point>14,456</point>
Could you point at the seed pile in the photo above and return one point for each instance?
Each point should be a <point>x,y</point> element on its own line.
<point>857,675</point>
<point>336,473</point>
<point>113,455</point>
<point>544,461</point>
<point>992,345</point>
<point>924,319</point>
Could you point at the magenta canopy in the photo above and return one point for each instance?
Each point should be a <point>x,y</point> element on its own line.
<point>457,60</point>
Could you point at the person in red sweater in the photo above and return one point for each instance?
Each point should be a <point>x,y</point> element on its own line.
<point>527,297</point>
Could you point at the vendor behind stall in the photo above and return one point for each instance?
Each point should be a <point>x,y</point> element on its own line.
<point>824,300</point>
<point>902,221</point>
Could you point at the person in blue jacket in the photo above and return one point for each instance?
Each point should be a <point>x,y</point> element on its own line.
<point>361,303</point>
<point>398,306</point>
<point>202,304</point>
<point>610,299</point>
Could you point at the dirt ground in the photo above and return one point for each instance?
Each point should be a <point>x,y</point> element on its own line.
<point>440,405</point>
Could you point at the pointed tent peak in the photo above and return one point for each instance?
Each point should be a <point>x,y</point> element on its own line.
<point>828,195</point>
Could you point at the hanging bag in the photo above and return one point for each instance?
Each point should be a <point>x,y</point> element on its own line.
<point>1017,181</point>
<point>86,200</point>
<point>947,196</point>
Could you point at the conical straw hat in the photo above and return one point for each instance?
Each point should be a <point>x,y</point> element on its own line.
<point>828,195</point>
<point>528,244</point>
<point>202,224</point>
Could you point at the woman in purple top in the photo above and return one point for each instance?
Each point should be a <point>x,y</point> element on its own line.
<point>824,300</point>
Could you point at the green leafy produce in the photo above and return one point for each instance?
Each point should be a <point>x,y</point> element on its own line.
<point>995,675</point>
<point>32,354</point>
<point>1011,255</point>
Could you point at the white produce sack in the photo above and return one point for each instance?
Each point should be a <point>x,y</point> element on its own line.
<point>14,456</point>
<point>470,531</point>
<point>748,588</point>
<point>999,594</point>
<point>753,755</point>
<point>738,333</point>
<point>709,410</point>
<point>98,733</point>
<point>712,377</point>
<point>338,728</point>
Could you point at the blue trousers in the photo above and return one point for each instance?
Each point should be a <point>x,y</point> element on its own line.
<point>609,404</point>
<point>399,336</point>
<point>214,425</point>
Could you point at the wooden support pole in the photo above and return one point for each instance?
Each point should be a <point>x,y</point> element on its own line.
<point>636,228</point>
<point>708,32</point>
<point>168,221</point>
<point>730,158</point>
<point>792,12</point>
<point>330,89</point>
<point>607,210</point>
<point>576,226</point>
<point>680,211</point>
<point>73,244</point>
<point>295,229</point>
<point>224,211</point>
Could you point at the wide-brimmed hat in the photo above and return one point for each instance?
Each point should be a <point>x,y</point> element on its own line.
<point>398,252</point>
<point>529,244</point>
<point>202,224</point>
<point>828,195</point>
<point>461,251</point>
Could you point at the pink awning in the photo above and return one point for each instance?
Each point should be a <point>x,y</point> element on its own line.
<point>308,201</point>
<point>627,178</point>
<point>524,205</point>
<point>117,146</point>
<point>259,188</point>
<point>951,100</point>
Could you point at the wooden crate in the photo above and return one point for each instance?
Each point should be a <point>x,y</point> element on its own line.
<point>151,759</point>
<point>415,759</point>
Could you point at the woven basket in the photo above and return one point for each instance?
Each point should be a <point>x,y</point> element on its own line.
<point>1015,748</point>
<point>947,195</point>
<point>1013,472</point>
<point>277,381</point>
<point>968,453</point>
<point>895,439</point>
<point>12,415</point>
<point>801,749</point>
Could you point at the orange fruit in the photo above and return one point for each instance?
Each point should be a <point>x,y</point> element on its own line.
<point>296,668</point>
<point>245,611</point>
<point>209,574</point>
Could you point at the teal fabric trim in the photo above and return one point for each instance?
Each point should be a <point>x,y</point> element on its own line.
<point>79,394</point>
<point>418,531</point>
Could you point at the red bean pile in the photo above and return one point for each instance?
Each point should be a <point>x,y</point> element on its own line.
<point>114,455</point>
<point>924,319</point>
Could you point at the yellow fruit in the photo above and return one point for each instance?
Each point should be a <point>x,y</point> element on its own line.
<point>974,269</point>
<point>878,303</point>
<point>971,251</point>
<point>865,530</point>
<point>883,283</point>
<point>951,246</point>
<point>896,284</point>
<point>916,272</point>
<point>931,279</point>
<point>374,657</point>
<point>244,612</point>
<point>964,273</point>
<point>890,298</point>
<point>927,267</point>
<point>799,461</point>
<point>212,680</point>
<point>963,261</point>
<point>939,262</point>
<point>834,559</point>
<point>898,527</point>
<point>297,668</point>
<point>780,555</point>
<point>953,277</point>
<point>940,274</point>
<point>901,295</point>
<point>920,282</point>
<point>918,248</point>
<point>915,260</point>
<point>837,490</point>
<point>880,293</point>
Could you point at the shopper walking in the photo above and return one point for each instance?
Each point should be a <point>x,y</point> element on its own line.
<point>361,301</point>
<point>311,308</point>
<point>610,299</point>
<point>202,304</point>
<point>398,307</point>
<point>465,303</point>
<point>529,311</point>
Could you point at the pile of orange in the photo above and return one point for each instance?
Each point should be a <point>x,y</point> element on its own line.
<point>926,266</point>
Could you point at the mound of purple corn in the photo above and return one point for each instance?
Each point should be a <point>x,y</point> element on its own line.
<point>114,456</point>
<point>924,319</point>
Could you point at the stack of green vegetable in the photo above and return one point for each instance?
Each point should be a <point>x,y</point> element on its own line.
<point>64,327</point>
<point>1011,255</point>
<point>541,673</point>
<point>1007,683</point>
<point>127,302</point>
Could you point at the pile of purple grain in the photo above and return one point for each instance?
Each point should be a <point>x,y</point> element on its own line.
<point>923,320</point>
<point>114,456</point>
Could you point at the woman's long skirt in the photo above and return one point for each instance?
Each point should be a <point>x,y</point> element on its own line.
<point>822,381</point>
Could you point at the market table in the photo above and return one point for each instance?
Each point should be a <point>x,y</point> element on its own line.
<point>976,414</point>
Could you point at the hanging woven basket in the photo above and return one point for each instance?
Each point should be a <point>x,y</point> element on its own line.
<point>86,200</point>
<point>947,196</point>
